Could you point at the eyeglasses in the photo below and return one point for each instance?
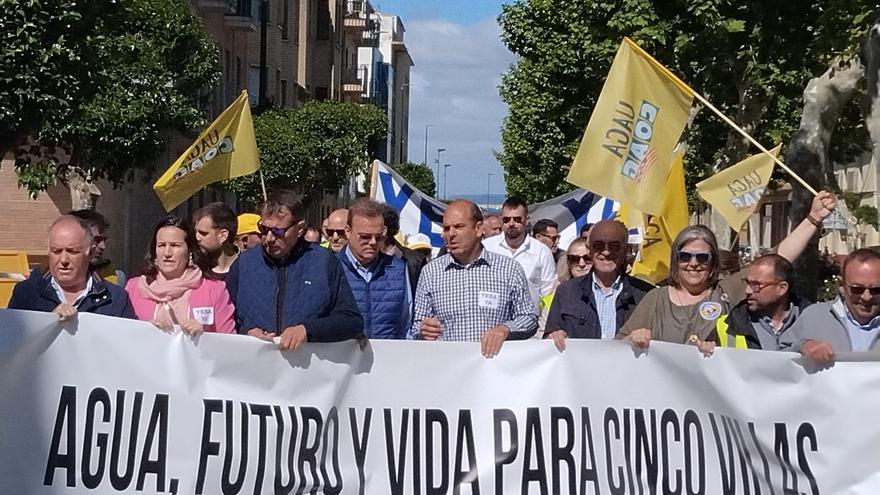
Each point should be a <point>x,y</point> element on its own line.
<point>511,219</point>
<point>574,259</point>
<point>553,238</point>
<point>702,258</point>
<point>368,237</point>
<point>858,290</point>
<point>601,246</point>
<point>276,231</point>
<point>335,232</point>
<point>758,286</point>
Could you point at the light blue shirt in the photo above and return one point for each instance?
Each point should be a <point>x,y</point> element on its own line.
<point>606,306</point>
<point>79,298</point>
<point>861,337</point>
<point>367,272</point>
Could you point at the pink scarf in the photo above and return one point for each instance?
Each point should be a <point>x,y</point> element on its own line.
<point>171,296</point>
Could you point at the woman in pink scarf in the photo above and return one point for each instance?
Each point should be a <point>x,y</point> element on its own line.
<point>174,289</point>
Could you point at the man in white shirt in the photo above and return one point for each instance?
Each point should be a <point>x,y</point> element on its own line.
<point>534,257</point>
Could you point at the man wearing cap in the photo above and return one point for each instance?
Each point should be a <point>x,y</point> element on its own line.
<point>248,234</point>
<point>378,281</point>
<point>335,231</point>
<point>214,226</point>
<point>420,243</point>
<point>70,287</point>
<point>290,287</point>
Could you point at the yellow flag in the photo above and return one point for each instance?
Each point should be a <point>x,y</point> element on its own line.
<point>735,191</point>
<point>660,231</point>
<point>226,149</point>
<point>627,148</point>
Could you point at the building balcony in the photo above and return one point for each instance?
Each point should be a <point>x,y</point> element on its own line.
<point>354,81</point>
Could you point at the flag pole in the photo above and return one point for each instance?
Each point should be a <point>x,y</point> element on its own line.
<point>682,85</point>
<point>752,140</point>
<point>263,184</point>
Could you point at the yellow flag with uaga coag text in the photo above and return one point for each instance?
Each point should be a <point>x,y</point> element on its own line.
<point>736,191</point>
<point>226,149</point>
<point>627,148</point>
<point>660,230</point>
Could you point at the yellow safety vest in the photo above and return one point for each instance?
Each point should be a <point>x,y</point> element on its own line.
<point>739,341</point>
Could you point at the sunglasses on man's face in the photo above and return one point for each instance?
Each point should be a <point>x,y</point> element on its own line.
<point>612,247</point>
<point>276,231</point>
<point>366,238</point>
<point>511,219</point>
<point>702,258</point>
<point>335,232</point>
<point>858,290</point>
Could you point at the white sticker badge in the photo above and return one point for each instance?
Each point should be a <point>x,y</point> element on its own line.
<point>205,316</point>
<point>489,300</point>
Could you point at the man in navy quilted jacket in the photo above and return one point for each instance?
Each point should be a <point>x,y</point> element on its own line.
<point>289,287</point>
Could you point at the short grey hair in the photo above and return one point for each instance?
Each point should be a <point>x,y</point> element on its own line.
<point>688,234</point>
<point>89,239</point>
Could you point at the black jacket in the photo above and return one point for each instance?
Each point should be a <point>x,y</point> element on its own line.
<point>739,321</point>
<point>574,308</point>
<point>105,298</point>
<point>415,261</point>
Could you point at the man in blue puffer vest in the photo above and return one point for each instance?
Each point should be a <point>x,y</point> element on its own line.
<point>379,282</point>
<point>290,287</point>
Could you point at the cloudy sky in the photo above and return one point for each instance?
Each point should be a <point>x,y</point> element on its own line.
<point>459,58</point>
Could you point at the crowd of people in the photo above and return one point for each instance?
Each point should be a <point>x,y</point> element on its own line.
<point>270,276</point>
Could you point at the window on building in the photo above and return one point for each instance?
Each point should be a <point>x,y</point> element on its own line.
<point>323,20</point>
<point>321,93</point>
<point>277,86</point>
<point>239,74</point>
<point>254,84</point>
<point>285,20</point>
<point>283,93</point>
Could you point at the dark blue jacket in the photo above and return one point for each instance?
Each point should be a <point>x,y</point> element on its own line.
<point>574,306</point>
<point>381,302</point>
<point>105,298</point>
<point>306,288</point>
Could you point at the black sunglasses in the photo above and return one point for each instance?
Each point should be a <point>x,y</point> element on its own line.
<point>276,231</point>
<point>338,232</point>
<point>702,258</point>
<point>574,259</point>
<point>611,246</point>
<point>858,290</point>
<point>511,219</point>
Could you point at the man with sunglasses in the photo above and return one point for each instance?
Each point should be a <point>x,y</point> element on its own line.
<point>534,257</point>
<point>547,232</point>
<point>335,231</point>
<point>849,323</point>
<point>596,305</point>
<point>379,281</point>
<point>769,310</point>
<point>289,287</point>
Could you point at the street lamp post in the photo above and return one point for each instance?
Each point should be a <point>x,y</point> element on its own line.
<point>439,150</point>
<point>426,143</point>
<point>488,183</point>
<point>446,180</point>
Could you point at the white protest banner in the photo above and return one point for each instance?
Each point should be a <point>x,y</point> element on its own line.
<point>113,406</point>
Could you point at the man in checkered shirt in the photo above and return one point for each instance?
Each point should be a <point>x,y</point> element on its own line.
<point>471,294</point>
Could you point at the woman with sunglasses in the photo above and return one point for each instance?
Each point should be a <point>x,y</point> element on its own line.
<point>685,311</point>
<point>176,287</point>
<point>576,261</point>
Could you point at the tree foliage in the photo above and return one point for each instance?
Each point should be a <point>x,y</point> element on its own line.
<point>750,59</point>
<point>136,70</point>
<point>419,175</point>
<point>313,149</point>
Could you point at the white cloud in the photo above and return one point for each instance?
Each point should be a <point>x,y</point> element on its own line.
<point>455,88</point>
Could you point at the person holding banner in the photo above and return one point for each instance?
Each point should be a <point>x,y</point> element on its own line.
<point>177,287</point>
<point>290,287</point>
<point>685,311</point>
<point>70,286</point>
<point>471,293</point>
<point>849,323</point>
<point>595,306</point>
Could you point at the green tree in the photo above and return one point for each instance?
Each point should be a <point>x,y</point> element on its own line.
<point>750,59</point>
<point>145,64</point>
<point>313,149</point>
<point>419,175</point>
